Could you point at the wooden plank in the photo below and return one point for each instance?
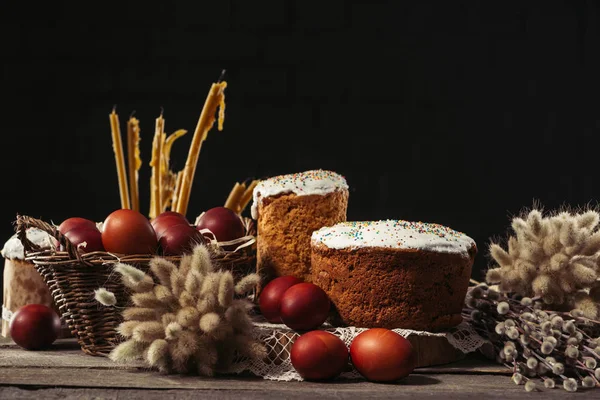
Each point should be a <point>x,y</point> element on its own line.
<point>67,354</point>
<point>144,384</point>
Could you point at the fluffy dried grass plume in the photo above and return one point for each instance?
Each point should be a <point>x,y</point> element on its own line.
<point>187,318</point>
<point>554,257</point>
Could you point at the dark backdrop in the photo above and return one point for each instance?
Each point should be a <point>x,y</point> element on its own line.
<point>455,112</point>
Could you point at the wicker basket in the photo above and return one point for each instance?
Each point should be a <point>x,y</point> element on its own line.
<point>73,277</point>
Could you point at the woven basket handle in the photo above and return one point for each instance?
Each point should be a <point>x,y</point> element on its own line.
<point>24,222</point>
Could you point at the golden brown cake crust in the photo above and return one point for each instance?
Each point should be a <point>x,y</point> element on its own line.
<point>285,224</point>
<point>393,288</point>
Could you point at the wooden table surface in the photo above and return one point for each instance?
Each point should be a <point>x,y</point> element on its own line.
<point>66,372</point>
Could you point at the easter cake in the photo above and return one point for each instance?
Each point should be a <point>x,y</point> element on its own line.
<point>288,208</point>
<point>393,273</point>
<point>22,283</point>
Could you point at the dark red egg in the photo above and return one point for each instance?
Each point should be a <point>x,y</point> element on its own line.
<point>224,224</point>
<point>382,355</point>
<point>128,232</point>
<point>73,222</point>
<point>269,300</point>
<point>319,355</point>
<point>166,220</point>
<point>304,306</point>
<point>179,239</point>
<point>86,239</point>
<point>34,326</point>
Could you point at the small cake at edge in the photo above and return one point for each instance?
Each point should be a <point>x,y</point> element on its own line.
<point>22,283</point>
<point>393,273</point>
<point>288,208</point>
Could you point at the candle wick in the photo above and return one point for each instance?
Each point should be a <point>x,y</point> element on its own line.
<point>162,110</point>
<point>114,109</point>
<point>222,76</point>
<point>132,114</point>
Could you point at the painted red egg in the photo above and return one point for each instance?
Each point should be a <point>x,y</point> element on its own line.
<point>269,300</point>
<point>382,355</point>
<point>34,326</point>
<point>304,306</point>
<point>224,224</point>
<point>128,232</point>
<point>319,355</point>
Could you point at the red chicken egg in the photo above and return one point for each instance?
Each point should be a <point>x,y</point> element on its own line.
<point>34,326</point>
<point>224,224</point>
<point>128,232</point>
<point>179,239</point>
<point>85,239</point>
<point>304,306</point>
<point>382,355</point>
<point>74,222</point>
<point>269,300</point>
<point>319,355</point>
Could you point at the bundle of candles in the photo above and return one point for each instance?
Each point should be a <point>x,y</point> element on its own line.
<point>171,190</point>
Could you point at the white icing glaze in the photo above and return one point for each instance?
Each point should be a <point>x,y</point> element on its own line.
<point>393,234</point>
<point>13,248</point>
<point>319,182</point>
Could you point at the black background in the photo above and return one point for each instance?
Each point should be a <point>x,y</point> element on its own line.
<point>455,112</point>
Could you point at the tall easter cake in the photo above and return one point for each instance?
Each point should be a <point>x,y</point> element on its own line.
<point>288,208</point>
<point>393,273</point>
<point>22,283</point>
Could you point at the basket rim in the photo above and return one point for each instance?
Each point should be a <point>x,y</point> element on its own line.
<point>52,256</point>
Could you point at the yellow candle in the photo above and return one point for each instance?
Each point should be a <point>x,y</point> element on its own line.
<point>215,99</point>
<point>134,161</point>
<point>119,159</point>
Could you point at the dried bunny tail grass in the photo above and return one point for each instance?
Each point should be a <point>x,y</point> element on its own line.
<point>167,318</point>
<point>592,245</point>
<point>559,261</point>
<point>188,317</point>
<point>494,275</point>
<point>201,259</point>
<point>139,314</point>
<point>513,247</point>
<point>158,355</point>
<point>146,300</point>
<point>250,347</point>
<point>173,330</point>
<point>583,275</point>
<point>193,281</point>
<point>148,331</point>
<point>186,299</point>
<point>238,317</point>
<point>162,269</point>
<point>551,244</point>
<point>586,304</point>
<point>164,295</point>
<point>185,264</point>
<point>568,233</point>
<point>503,258</point>
<point>126,328</point>
<point>209,322</point>
<point>534,220</point>
<point>207,303</point>
<point>134,274</point>
<point>226,289</point>
<point>210,283</point>
<point>177,283</point>
<point>526,270</point>
<point>105,297</point>
<point>127,351</point>
<point>588,220</point>
<point>247,284</point>
<point>182,350</point>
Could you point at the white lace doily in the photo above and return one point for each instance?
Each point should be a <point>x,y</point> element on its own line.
<point>278,338</point>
